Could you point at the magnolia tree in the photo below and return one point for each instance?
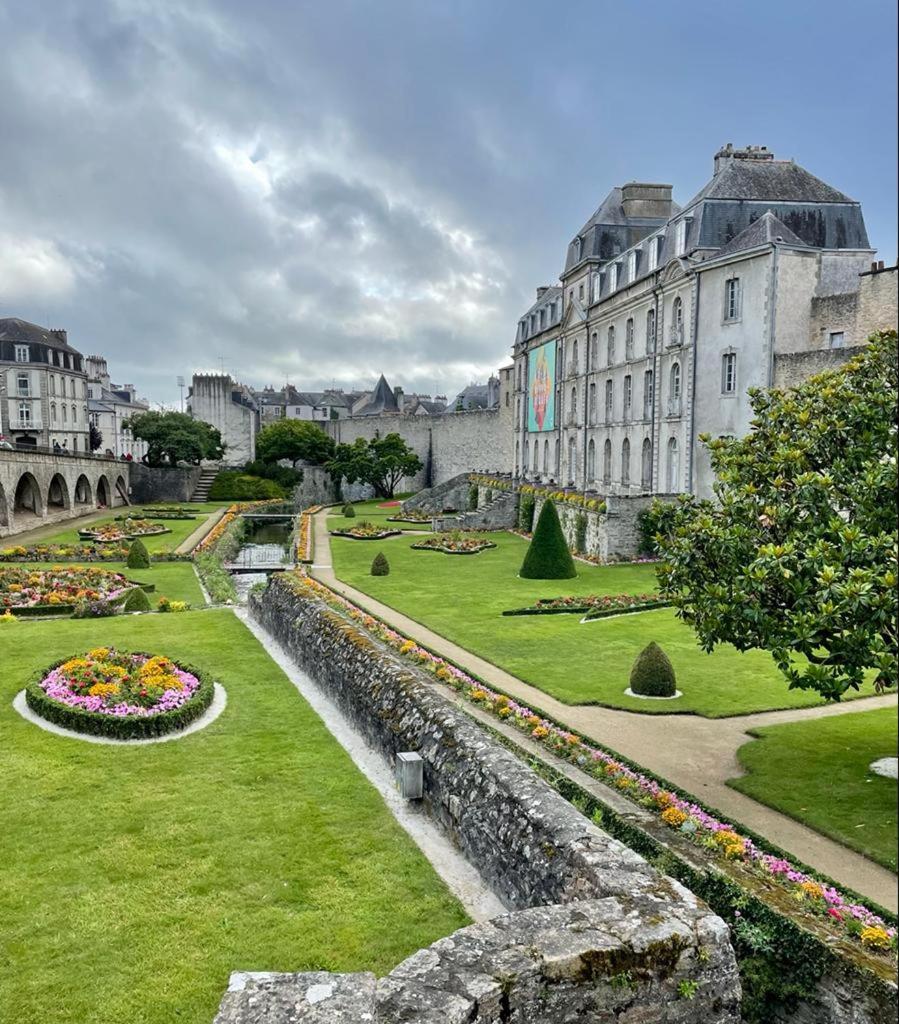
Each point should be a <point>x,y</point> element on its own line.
<point>175,437</point>
<point>798,553</point>
<point>294,440</point>
<point>381,462</point>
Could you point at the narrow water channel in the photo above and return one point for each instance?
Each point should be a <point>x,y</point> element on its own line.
<point>266,545</point>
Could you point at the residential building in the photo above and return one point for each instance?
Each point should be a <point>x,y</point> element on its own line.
<point>43,388</point>
<point>109,407</point>
<point>665,316</point>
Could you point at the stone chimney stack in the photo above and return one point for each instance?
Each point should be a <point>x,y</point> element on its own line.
<point>727,153</point>
<point>541,291</point>
<point>400,399</point>
<point>60,334</point>
<point>642,199</point>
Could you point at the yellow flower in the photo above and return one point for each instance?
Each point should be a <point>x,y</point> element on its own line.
<point>103,690</point>
<point>812,889</point>
<point>476,693</point>
<point>674,816</point>
<point>540,732</point>
<point>875,936</point>
<point>99,653</point>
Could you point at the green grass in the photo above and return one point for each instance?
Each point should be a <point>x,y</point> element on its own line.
<point>369,510</point>
<point>462,599</point>
<point>180,529</point>
<point>174,580</point>
<point>135,879</point>
<point>817,772</point>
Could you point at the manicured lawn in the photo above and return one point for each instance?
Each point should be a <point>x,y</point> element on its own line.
<point>180,529</point>
<point>371,511</point>
<point>135,879</point>
<point>174,580</point>
<point>462,598</point>
<point>817,772</point>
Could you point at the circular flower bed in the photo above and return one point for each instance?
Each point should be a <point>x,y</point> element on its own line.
<point>456,543</point>
<point>125,695</point>
<point>59,589</point>
<point>365,530</point>
<point>128,529</point>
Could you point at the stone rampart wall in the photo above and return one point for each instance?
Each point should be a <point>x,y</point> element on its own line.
<point>162,483</point>
<point>793,368</point>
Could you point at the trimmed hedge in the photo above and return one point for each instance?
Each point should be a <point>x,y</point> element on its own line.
<point>526,506</point>
<point>230,485</point>
<point>95,724</point>
<point>652,674</point>
<point>136,601</point>
<point>138,556</point>
<point>548,557</point>
<point>588,611</point>
<point>380,566</point>
<point>348,510</point>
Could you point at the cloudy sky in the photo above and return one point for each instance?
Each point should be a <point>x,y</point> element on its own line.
<point>321,191</point>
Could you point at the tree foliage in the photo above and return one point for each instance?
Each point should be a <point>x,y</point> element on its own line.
<point>94,436</point>
<point>548,557</point>
<point>381,462</point>
<point>798,554</point>
<point>138,556</point>
<point>294,440</point>
<point>175,437</point>
<point>652,674</point>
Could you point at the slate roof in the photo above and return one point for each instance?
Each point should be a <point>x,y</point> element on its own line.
<point>765,230</point>
<point>777,181</point>
<point>381,399</point>
<point>15,330</point>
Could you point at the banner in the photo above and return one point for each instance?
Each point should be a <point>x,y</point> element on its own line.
<point>542,387</point>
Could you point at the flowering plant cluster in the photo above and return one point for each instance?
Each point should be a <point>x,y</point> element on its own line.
<point>594,605</point>
<point>456,542</point>
<point>215,534</point>
<point>59,586</point>
<point>565,497</point>
<point>412,515</point>
<point>365,530</point>
<point>304,534</point>
<point>65,552</point>
<point>686,817</point>
<point>128,529</point>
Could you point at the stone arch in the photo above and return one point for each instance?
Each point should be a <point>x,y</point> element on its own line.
<point>58,493</point>
<point>83,492</point>
<point>27,498</point>
<point>103,494</point>
<point>120,492</point>
<point>4,508</point>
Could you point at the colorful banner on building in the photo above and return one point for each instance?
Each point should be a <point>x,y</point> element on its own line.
<point>542,387</point>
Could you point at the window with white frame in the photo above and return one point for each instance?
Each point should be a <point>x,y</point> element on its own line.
<point>732,298</point>
<point>591,461</point>
<point>628,395</point>
<point>650,331</point>
<point>632,266</point>
<point>610,397</point>
<point>648,394</point>
<point>646,464</point>
<point>596,287</point>
<point>629,338</point>
<point>674,390</point>
<point>24,414</point>
<point>729,373</point>
<point>677,322</point>
<point>673,466</point>
<point>572,412</point>
<point>23,384</point>
<point>594,350</point>
<point>23,354</point>
<point>625,462</point>
<point>613,278</point>
<point>607,462</point>
<point>655,246</point>
<point>610,347</point>
<point>592,405</point>
<point>681,237</point>
<point>573,369</point>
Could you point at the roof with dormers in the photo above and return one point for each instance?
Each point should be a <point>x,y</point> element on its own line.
<point>24,332</point>
<point>767,229</point>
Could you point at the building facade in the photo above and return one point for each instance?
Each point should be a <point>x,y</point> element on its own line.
<point>665,316</point>
<point>43,388</point>
<point>230,407</point>
<point>109,408</point>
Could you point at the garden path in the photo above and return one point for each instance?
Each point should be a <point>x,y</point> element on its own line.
<point>697,754</point>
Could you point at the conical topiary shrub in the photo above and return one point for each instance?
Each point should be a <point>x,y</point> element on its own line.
<point>138,556</point>
<point>653,673</point>
<point>348,510</point>
<point>548,557</point>
<point>380,566</point>
<point>136,601</point>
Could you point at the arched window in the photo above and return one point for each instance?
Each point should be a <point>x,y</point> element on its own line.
<point>674,390</point>
<point>591,461</point>
<point>572,411</point>
<point>53,412</point>
<point>607,463</point>
<point>65,415</point>
<point>536,455</point>
<point>594,350</point>
<point>610,351</point>
<point>572,460</point>
<point>558,460</point>
<point>628,397</point>
<point>673,466</point>
<point>650,332</point>
<point>546,469</point>
<point>646,468</point>
<point>648,395</point>
<point>625,463</point>
<point>517,459</point>
<point>527,457</point>
<point>591,408</point>
<point>677,322</point>
<point>74,413</point>
<point>629,338</point>
<point>572,369</point>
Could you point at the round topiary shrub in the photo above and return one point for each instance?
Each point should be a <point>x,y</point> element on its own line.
<point>136,601</point>
<point>548,557</point>
<point>348,510</point>
<point>380,566</point>
<point>138,556</point>
<point>653,674</point>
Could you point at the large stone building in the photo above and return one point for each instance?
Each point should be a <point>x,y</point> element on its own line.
<point>109,407</point>
<point>230,407</point>
<point>664,316</point>
<point>43,388</point>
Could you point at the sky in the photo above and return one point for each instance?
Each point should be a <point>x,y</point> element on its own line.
<point>318,192</point>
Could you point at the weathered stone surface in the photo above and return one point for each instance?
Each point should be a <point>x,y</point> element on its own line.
<point>163,483</point>
<point>315,997</point>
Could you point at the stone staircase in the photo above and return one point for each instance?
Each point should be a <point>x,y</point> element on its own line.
<point>201,491</point>
<point>501,513</point>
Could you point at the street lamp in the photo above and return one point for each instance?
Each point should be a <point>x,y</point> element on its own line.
<point>180,381</point>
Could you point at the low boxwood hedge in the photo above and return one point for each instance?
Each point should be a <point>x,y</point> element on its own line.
<point>95,724</point>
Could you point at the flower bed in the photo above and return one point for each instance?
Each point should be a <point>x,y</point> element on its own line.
<point>304,534</point>
<point>592,606</point>
<point>564,497</point>
<point>456,543</point>
<point>365,530</point>
<point>65,553</point>
<point>412,516</point>
<point>125,695</point>
<point>164,513</point>
<point>128,529</point>
<point>58,590</point>
<point>846,914</point>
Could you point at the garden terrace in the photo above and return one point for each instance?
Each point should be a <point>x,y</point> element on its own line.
<point>253,843</point>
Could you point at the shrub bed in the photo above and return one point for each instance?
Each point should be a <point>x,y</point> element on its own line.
<point>455,543</point>
<point>364,530</point>
<point>128,529</point>
<point>164,513</point>
<point>113,552</point>
<point>234,486</point>
<point>123,695</point>
<point>592,606</point>
<point>412,516</point>
<point>59,590</point>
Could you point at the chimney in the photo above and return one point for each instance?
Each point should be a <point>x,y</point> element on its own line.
<point>727,153</point>
<point>398,395</point>
<point>60,335</point>
<point>643,199</point>
<point>541,291</point>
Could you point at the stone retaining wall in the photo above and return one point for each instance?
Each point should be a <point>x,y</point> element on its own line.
<point>162,483</point>
<point>527,842</point>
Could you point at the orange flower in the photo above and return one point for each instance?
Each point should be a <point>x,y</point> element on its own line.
<point>674,816</point>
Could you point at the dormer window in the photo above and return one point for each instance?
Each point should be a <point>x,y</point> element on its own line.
<point>580,291</point>
<point>653,255</point>
<point>596,287</point>
<point>632,266</point>
<point>682,229</point>
<point>22,354</point>
<point>578,247</point>
<point>613,279</point>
